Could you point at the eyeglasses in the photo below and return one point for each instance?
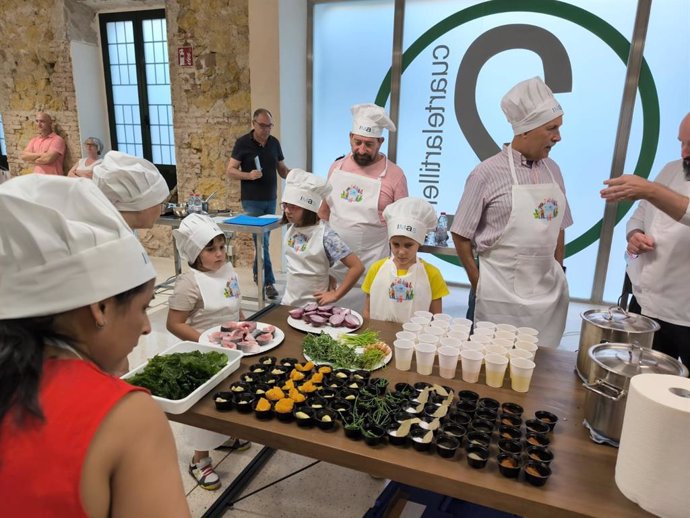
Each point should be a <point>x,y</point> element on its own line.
<point>262,125</point>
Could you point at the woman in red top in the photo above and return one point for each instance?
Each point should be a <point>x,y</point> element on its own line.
<point>75,284</point>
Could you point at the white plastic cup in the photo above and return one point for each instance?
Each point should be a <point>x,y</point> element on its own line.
<point>484,331</point>
<point>520,353</point>
<point>505,335</point>
<point>436,331</point>
<point>527,331</point>
<point>443,316</point>
<point>455,335</point>
<point>424,354</point>
<point>496,365</point>
<point>521,370</point>
<point>412,327</point>
<point>443,324</point>
<point>496,349</point>
<point>527,346</point>
<point>422,321</point>
<point>482,339</point>
<point>485,323</point>
<point>506,327</point>
<point>471,365</point>
<point>527,338</point>
<point>406,335</point>
<point>461,322</point>
<point>403,354</point>
<point>428,338</point>
<point>424,314</point>
<point>460,328</point>
<point>448,361</point>
<point>475,346</point>
<point>452,342</point>
<point>508,344</point>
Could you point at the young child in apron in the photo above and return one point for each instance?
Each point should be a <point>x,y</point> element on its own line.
<point>402,284</point>
<point>205,296</point>
<point>311,247</point>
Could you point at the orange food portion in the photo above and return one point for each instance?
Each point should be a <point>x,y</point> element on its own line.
<point>325,369</point>
<point>308,387</point>
<point>317,378</point>
<point>297,396</point>
<point>284,406</point>
<point>275,394</point>
<point>263,405</point>
<point>305,367</point>
<point>289,384</point>
<point>296,375</point>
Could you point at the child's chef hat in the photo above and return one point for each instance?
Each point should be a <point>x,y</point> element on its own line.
<point>305,189</point>
<point>530,104</point>
<point>129,182</point>
<point>195,232</point>
<point>411,217</point>
<point>63,246</point>
<point>369,120</point>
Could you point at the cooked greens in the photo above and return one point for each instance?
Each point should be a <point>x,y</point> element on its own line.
<point>325,348</point>
<point>175,376</point>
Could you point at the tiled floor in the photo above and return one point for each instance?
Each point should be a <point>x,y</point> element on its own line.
<point>341,492</point>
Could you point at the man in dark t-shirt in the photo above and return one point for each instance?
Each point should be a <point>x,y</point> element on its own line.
<point>255,160</point>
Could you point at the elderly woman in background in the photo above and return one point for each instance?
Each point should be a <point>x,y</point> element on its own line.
<point>76,441</point>
<point>84,168</point>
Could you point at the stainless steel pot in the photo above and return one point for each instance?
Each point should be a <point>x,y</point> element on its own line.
<point>612,325</point>
<point>612,367</point>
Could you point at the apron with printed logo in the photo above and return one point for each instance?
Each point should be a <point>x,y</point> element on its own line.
<point>520,281</point>
<point>394,297</point>
<point>354,204</point>
<point>307,264</point>
<point>220,291</point>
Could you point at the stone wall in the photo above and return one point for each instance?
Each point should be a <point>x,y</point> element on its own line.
<point>36,75</point>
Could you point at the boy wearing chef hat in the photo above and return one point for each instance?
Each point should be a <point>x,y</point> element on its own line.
<point>514,212</point>
<point>312,247</point>
<point>402,284</point>
<point>364,182</point>
<point>205,296</point>
<point>134,186</point>
<point>74,288</point>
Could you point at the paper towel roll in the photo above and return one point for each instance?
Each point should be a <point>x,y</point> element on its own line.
<point>653,465</point>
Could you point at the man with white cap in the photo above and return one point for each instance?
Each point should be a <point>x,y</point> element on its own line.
<point>513,212</point>
<point>364,183</point>
<point>257,160</point>
<point>398,286</point>
<point>75,284</point>
<point>311,247</point>
<point>134,186</point>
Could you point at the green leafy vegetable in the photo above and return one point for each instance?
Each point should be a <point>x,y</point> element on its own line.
<point>362,339</point>
<point>175,376</point>
<point>325,348</point>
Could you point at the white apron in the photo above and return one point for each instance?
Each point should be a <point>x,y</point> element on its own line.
<point>354,204</point>
<point>520,281</point>
<point>659,277</point>
<point>220,291</point>
<point>394,297</point>
<point>307,264</point>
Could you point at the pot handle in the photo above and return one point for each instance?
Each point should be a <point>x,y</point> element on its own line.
<point>612,309</point>
<point>594,387</point>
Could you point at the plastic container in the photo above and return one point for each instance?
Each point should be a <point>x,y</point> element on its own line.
<point>441,234</point>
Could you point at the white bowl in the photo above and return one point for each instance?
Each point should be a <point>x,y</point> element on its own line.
<point>180,406</point>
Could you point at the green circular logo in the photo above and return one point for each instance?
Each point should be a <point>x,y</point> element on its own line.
<point>606,32</point>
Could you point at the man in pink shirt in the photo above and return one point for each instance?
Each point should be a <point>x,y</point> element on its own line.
<point>364,183</point>
<point>46,151</point>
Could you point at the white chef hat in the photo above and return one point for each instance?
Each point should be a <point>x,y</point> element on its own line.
<point>63,246</point>
<point>530,104</point>
<point>195,232</point>
<point>369,120</point>
<point>411,217</point>
<point>305,189</point>
<point>129,182</point>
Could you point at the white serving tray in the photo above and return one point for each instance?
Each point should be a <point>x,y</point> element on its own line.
<point>180,406</point>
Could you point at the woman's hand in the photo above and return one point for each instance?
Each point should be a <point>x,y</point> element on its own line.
<point>325,297</point>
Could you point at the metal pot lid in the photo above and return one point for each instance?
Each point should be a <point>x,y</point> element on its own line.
<point>629,360</point>
<point>617,319</point>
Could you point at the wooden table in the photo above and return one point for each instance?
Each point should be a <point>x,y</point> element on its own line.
<point>582,483</point>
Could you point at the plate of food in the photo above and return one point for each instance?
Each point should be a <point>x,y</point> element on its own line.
<point>348,351</point>
<point>333,320</point>
<point>249,337</point>
<point>169,375</point>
